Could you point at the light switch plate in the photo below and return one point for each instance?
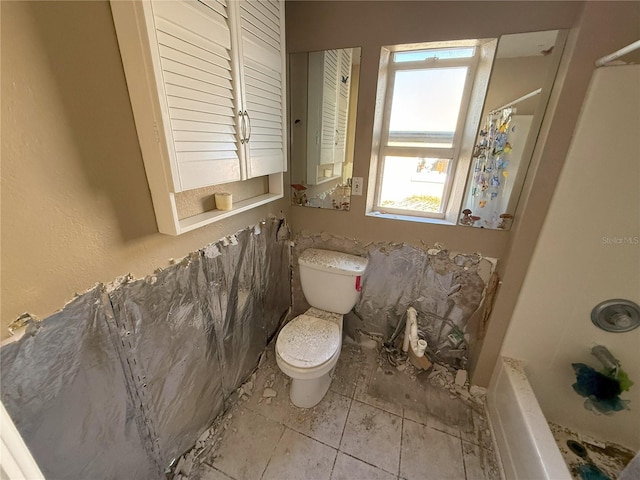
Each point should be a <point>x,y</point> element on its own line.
<point>356,186</point>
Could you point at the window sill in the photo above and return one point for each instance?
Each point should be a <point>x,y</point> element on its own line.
<point>410,218</point>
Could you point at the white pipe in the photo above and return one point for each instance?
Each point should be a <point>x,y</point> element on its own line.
<point>411,334</point>
<point>412,323</point>
<point>601,62</point>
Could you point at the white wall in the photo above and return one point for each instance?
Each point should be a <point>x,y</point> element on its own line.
<point>578,262</point>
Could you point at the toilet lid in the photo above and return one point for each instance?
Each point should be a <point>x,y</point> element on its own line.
<point>308,341</point>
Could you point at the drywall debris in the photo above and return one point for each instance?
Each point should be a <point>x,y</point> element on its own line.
<point>461,378</point>
<point>204,435</point>
<point>477,391</point>
<point>247,387</point>
<point>211,251</point>
<point>462,392</point>
<point>180,464</point>
<point>21,323</point>
<point>118,282</point>
<point>269,392</point>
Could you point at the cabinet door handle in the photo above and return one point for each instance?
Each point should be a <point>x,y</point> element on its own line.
<point>243,127</point>
<point>248,137</point>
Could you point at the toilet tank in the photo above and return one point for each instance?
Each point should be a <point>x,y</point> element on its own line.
<point>331,281</point>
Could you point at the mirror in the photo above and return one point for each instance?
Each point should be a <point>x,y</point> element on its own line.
<point>521,79</point>
<point>323,95</point>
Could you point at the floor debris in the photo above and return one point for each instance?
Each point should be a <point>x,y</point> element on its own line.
<point>382,378</point>
<point>269,392</point>
<point>461,378</point>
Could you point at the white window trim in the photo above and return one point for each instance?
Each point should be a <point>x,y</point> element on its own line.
<point>467,128</point>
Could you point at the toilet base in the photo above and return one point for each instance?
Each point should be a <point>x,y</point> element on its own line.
<point>309,393</point>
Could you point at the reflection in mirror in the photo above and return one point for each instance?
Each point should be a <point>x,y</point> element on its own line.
<point>521,80</point>
<point>323,96</point>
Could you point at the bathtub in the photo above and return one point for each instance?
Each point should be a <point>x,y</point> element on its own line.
<point>525,443</point>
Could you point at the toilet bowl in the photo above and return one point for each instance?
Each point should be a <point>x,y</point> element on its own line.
<point>307,350</point>
<point>308,347</point>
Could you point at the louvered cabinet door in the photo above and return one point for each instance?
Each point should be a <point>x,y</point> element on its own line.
<point>329,107</point>
<point>199,81</point>
<point>262,45</point>
<point>342,106</point>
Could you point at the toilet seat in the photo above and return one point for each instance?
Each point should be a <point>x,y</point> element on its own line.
<point>308,341</point>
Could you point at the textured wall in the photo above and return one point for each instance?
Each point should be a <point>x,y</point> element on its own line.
<point>76,207</point>
<point>321,25</point>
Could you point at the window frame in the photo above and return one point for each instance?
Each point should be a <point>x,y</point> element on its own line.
<point>476,83</point>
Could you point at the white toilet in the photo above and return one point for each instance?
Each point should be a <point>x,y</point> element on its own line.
<point>308,347</point>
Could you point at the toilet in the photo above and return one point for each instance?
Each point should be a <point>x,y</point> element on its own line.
<point>308,347</point>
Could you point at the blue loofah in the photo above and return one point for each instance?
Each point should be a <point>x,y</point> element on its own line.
<point>591,472</point>
<point>602,392</point>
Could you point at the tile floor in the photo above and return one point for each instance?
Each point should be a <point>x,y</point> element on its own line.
<point>375,423</point>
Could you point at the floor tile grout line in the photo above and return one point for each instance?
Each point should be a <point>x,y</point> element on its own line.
<point>273,451</point>
<point>434,428</point>
<point>308,436</point>
<point>365,462</point>
<point>344,427</point>
<point>377,408</point>
<point>231,477</point>
<point>358,458</point>
<point>464,460</point>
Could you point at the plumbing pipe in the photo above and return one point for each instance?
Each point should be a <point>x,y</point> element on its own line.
<point>410,323</point>
<point>411,339</point>
<point>422,346</point>
<point>609,362</point>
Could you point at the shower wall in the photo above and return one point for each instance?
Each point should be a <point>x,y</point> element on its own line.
<point>452,292</point>
<point>588,252</point>
<point>126,377</point>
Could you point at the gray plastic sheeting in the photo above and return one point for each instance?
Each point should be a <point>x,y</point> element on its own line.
<point>445,289</point>
<point>119,386</point>
<point>64,387</point>
<point>247,303</point>
<point>166,326</point>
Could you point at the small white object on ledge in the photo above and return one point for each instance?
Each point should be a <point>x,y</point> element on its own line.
<point>224,201</point>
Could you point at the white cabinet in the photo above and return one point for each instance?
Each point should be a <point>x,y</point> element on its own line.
<point>206,81</point>
<point>329,74</point>
<point>342,112</point>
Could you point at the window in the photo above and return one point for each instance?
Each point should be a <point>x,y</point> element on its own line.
<point>426,97</point>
